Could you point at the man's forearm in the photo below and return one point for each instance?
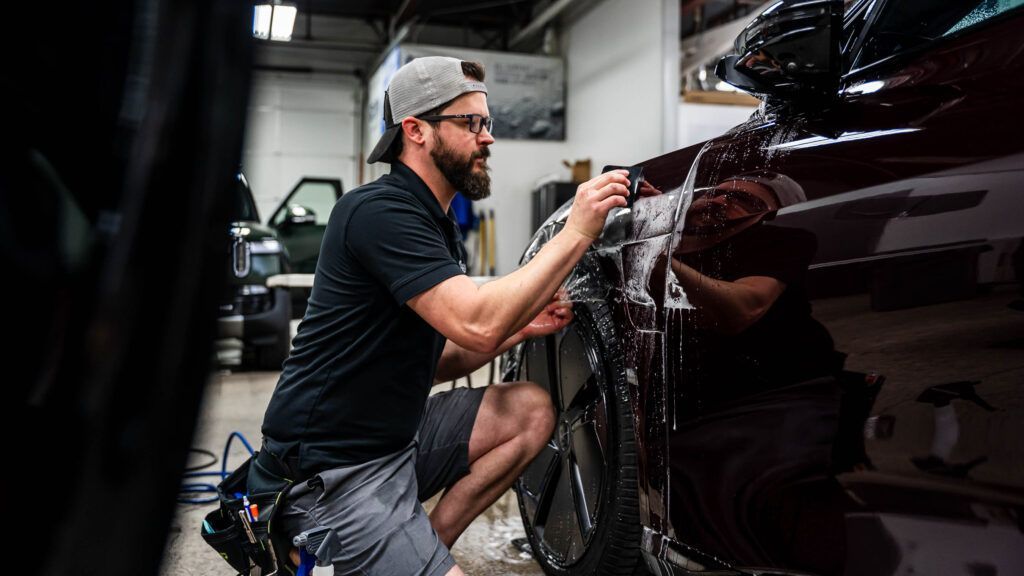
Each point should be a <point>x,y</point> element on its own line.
<point>457,361</point>
<point>726,307</point>
<point>514,300</point>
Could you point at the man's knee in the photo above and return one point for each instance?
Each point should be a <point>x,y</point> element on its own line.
<point>537,413</point>
<point>519,412</point>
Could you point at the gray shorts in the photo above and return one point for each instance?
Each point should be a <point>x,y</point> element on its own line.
<point>374,508</point>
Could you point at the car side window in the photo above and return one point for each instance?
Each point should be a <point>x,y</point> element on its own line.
<point>320,196</point>
<point>903,26</point>
<point>317,194</point>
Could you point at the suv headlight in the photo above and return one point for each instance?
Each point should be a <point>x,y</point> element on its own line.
<point>243,251</point>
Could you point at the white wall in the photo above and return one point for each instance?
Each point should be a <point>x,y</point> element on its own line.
<point>300,125</point>
<point>622,81</point>
<point>700,122</point>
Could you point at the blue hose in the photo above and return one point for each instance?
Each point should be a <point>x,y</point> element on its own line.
<point>205,487</point>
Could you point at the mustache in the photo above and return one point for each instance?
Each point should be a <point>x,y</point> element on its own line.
<point>484,153</point>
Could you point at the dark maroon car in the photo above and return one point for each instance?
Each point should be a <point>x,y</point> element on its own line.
<point>801,349</point>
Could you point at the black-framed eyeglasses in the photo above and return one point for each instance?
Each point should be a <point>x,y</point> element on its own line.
<point>476,121</point>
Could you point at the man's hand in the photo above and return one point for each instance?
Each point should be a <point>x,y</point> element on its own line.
<point>555,316</point>
<point>594,198</point>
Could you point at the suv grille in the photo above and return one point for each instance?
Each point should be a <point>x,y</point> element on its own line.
<point>248,299</point>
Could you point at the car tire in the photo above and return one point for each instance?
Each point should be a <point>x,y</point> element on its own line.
<point>578,498</point>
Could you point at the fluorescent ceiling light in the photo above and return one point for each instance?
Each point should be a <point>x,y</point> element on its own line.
<point>282,23</point>
<point>261,21</point>
<point>273,21</point>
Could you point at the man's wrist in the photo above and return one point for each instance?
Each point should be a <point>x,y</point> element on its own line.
<point>582,232</point>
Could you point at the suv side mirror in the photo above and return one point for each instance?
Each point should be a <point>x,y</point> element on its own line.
<point>297,216</point>
<point>791,49</point>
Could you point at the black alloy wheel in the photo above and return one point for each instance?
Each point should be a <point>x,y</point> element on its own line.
<point>578,498</point>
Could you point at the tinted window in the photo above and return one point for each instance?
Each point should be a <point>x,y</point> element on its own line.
<point>243,208</point>
<point>906,25</point>
<point>317,195</point>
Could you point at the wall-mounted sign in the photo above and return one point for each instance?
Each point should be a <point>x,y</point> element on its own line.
<point>526,93</point>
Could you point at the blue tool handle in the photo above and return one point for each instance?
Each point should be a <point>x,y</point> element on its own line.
<point>306,563</point>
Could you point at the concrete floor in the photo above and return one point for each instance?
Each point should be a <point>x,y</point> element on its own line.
<point>236,401</point>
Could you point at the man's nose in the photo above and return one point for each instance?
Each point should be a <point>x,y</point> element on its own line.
<point>484,137</point>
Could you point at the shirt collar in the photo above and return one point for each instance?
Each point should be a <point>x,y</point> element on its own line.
<point>420,190</point>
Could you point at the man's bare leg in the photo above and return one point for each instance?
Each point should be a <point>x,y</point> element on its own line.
<point>514,423</point>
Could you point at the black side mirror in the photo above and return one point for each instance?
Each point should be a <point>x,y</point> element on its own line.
<point>297,216</point>
<point>789,50</point>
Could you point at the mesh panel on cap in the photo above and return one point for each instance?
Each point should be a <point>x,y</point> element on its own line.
<point>426,83</point>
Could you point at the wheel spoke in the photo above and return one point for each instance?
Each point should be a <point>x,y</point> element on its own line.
<point>561,531</point>
<point>538,482</point>
<point>574,369</point>
<point>594,416</point>
<point>537,362</point>
<point>586,398</point>
<point>588,459</point>
<point>584,520</point>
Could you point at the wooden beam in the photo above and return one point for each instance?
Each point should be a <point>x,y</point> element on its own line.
<point>718,97</point>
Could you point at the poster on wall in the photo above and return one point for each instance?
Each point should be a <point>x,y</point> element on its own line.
<point>374,119</point>
<point>525,93</point>
<point>376,86</point>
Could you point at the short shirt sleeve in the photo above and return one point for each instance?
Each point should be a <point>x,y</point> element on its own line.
<point>400,245</point>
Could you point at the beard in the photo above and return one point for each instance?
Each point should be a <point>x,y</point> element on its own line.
<point>459,171</point>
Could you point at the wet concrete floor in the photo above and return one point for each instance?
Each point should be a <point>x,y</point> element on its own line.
<point>236,401</point>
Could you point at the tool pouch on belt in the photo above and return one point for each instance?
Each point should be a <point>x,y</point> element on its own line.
<point>252,547</point>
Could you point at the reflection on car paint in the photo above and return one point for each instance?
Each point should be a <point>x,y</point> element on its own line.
<point>844,137</point>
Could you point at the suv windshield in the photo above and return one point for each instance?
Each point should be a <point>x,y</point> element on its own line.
<point>243,208</point>
<point>906,25</point>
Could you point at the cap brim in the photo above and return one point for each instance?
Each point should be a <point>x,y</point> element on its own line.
<point>382,151</point>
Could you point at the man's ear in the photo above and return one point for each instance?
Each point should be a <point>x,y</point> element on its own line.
<point>414,130</point>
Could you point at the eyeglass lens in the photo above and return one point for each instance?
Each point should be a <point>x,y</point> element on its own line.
<point>477,122</point>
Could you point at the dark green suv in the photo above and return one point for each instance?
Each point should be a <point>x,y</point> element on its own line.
<point>249,311</point>
<point>289,243</point>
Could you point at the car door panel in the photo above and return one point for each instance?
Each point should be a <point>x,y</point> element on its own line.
<point>910,191</point>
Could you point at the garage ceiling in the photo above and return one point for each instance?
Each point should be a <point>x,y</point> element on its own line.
<point>497,14</point>
<point>350,36</point>
<point>355,33</point>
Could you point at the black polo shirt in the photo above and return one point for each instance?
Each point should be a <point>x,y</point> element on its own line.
<point>356,382</point>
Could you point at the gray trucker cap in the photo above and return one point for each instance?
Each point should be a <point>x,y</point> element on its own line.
<point>421,85</point>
